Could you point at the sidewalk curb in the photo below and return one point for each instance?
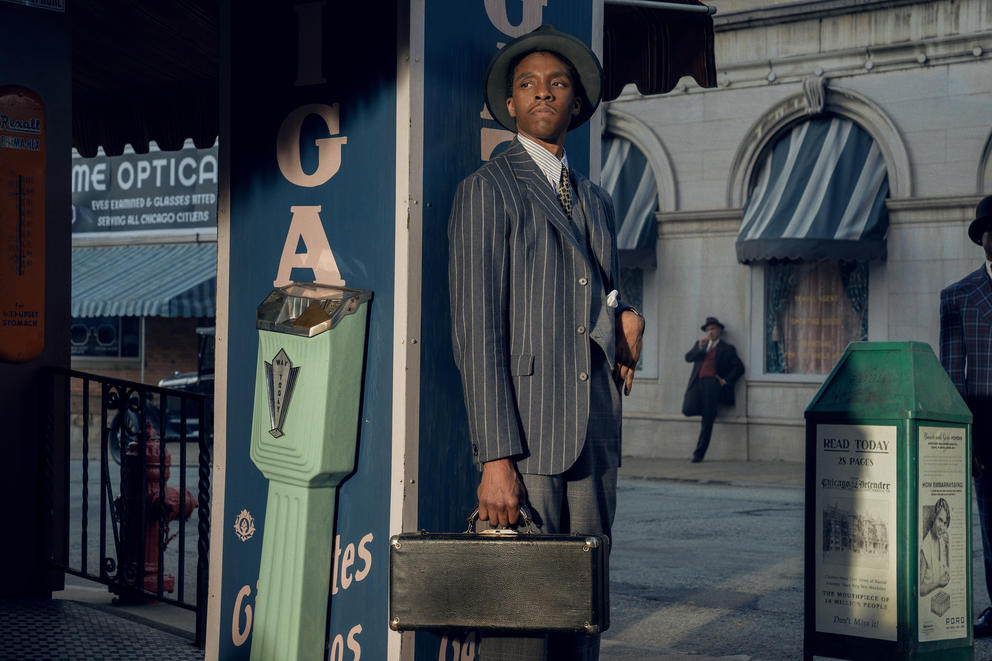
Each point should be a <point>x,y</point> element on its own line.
<point>726,472</point>
<point>709,480</point>
<point>620,651</point>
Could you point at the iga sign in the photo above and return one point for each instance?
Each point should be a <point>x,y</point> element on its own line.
<point>313,168</point>
<point>154,191</point>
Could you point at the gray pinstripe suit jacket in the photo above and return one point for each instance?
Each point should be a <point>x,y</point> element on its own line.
<point>519,280</point>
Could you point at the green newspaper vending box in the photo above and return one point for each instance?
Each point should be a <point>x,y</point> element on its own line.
<point>308,385</point>
<point>888,509</point>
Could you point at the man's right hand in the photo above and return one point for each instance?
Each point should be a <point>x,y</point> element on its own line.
<point>501,493</point>
<point>703,342</point>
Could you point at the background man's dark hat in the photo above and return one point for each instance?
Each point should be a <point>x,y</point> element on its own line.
<point>711,321</point>
<point>544,38</point>
<point>983,220</point>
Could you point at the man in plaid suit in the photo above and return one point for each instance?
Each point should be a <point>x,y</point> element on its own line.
<point>966,354</point>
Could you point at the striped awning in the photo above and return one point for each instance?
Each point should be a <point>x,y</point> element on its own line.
<point>629,180</point>
<point>174,280</point>
<point>820,194</point>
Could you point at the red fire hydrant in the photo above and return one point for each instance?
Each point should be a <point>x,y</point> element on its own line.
<point>155,487</point>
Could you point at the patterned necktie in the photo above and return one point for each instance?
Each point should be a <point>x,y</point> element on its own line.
<point>565,192</point>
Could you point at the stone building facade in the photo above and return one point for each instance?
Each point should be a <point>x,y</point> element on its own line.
<point>916,78</point>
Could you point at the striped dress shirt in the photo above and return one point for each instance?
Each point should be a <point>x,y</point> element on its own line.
<point>550,165</point>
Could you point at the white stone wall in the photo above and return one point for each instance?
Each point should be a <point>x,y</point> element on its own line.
<point>925,71</point>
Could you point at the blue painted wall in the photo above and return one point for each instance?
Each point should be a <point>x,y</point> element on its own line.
<point>357,56</point>
<point>359,63</point>
<point>461,38</point>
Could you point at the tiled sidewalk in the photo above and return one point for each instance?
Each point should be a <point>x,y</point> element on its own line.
<point>70,631</point>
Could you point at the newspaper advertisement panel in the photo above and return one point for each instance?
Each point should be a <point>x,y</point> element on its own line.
<point>942,533</point>
<point>856,580</point>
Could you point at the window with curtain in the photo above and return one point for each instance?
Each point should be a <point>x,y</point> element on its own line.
<point>816,216</point>
<point>813,310</point>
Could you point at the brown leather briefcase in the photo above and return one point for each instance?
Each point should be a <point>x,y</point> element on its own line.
<point>499,580</point>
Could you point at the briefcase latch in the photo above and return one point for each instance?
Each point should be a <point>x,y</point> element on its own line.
<point>499,532</point>
<point>591,543</point>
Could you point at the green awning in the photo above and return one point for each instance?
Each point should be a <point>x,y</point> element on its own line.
<point>172,280</point>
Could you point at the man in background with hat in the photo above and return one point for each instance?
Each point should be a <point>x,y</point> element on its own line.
<point>715,370</point>
<point>540,335</point>
<point>966,354</point>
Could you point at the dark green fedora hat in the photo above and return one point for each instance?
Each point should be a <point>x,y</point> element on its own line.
<point>545,39</point>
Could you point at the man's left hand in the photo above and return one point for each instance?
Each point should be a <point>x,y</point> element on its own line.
<point>630,331</point>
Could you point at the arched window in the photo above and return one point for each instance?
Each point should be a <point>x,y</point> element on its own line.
<point>815,216</point>
<point>628,178</point>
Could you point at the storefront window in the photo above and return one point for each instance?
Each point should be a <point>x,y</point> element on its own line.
<point>105,337</point>
<point>813,310</point>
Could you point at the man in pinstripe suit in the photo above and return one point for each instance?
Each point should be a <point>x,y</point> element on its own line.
<point>966,354</point>
<point>543,342</point>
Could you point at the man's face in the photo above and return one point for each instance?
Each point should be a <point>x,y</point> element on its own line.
<point>713,332</point>
<point>543,98</point>
<point>987,244</point>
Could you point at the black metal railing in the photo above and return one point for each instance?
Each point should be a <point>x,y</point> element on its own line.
<point>143,489</point>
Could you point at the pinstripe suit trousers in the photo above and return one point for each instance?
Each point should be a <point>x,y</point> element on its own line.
<point>582,500</point>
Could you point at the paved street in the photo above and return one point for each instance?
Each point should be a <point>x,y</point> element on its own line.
<point>707,569</point>
<point>715,569</point>
<point>707,563</point>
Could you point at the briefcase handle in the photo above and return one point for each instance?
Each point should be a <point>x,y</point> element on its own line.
<point>528,524</point>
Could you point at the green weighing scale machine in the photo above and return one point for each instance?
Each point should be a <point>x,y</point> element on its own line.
<point>308,385</point>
